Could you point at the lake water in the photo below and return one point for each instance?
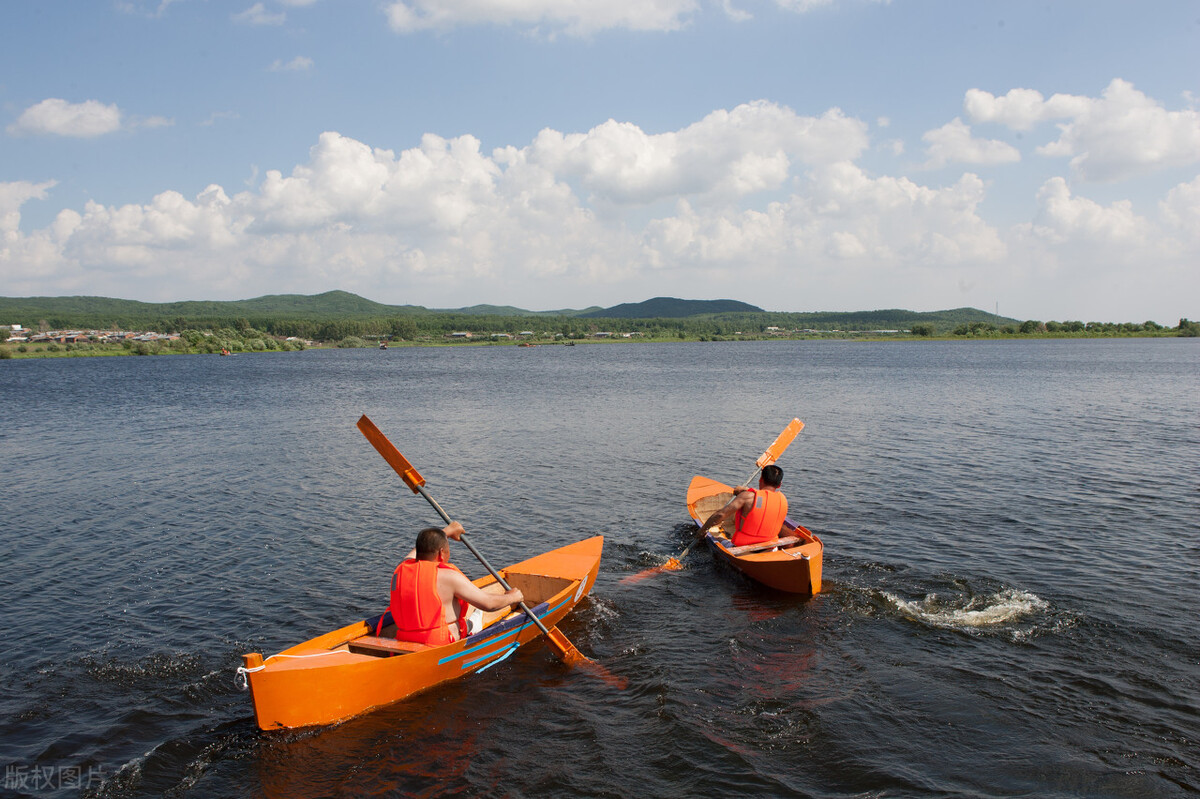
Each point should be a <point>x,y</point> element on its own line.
<point>1012,568</point>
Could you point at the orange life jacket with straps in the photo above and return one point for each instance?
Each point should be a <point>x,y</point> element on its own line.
<point>417,607</point>
<point>764,520</point>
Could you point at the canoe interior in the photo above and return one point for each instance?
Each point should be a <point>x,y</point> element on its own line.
<point>707,506</point>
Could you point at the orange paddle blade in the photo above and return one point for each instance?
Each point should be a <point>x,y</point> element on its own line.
<point>393,456</point>
<point>645,574</point>
<point>672,564</point>
<point>573,657</point>
<point>776,449</point>
<point>570,655</point>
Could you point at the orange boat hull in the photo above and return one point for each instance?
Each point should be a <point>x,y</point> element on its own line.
<point>339,675</point>
<point>795,569</point>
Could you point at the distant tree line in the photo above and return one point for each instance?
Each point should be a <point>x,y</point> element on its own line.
<point>715,327</point>
<point>1071,328</point>
<point>271,331</point>
<point>226,339</point>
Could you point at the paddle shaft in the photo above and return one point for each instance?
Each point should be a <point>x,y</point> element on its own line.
<point>688,548</point>
<point>532,616</point>
<point>753,474</point>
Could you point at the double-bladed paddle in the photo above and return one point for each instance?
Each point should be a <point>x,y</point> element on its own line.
<point>769,456</point>
<point>409,474</point>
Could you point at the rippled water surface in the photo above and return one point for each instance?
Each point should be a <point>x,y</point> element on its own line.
<point>1012,568</point>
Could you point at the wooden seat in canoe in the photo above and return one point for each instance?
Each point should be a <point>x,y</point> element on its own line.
<point>778,542</point>
<point>374,645</point>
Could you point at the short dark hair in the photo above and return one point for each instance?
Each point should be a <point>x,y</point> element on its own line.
<point>430,542</point>
<point>772,475</point>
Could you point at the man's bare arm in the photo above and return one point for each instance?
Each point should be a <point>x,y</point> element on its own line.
<point>739,502</point>
<point>467,590</point>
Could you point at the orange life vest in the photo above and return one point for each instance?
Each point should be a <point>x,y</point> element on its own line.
<point>416,605</point>
<point>764,521</point>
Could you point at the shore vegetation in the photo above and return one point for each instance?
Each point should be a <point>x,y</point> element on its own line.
<point>50,327</point>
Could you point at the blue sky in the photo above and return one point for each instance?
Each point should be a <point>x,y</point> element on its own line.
<point>1039,159</point>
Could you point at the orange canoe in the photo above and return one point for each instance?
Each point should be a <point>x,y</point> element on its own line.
<point>349,671</point>
<point>791,564</point>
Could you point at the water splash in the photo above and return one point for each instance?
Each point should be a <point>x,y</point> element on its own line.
<point>970,612</point>
<point>153,668</point>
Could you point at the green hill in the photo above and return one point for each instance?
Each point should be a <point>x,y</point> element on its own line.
<point>331,303</point>
<point>669,308</point>
<point>509,310</point>
<point>890,319</point>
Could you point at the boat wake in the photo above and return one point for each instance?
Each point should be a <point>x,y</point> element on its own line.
<point>976,605</point>
<point>969,612</point>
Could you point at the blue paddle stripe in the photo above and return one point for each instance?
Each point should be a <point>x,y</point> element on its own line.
<point>518,624</point>
<point>473,649</point>
<point>503,655</point>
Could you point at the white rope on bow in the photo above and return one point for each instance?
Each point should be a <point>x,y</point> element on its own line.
<point>241,681</point>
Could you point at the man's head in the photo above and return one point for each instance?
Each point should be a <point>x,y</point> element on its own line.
<point>772,476</point>
<point>431,542</point>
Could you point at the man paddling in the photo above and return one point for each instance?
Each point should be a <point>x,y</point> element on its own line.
<point>430,598</point>
<point>759,514</point>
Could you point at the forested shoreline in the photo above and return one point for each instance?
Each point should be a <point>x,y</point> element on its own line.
<point>247,339</point>
<point>79,326</point>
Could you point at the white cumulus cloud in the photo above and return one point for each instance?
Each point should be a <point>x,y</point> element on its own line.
<point>1063,217</point>
<point>60,118</point>
<point>1181,209</point>
<point>803,6</point>
<point>576,18</point>
<point>1021,109</point>
<point>581,17</point>
<point>13,196</point>
<point>1107,262</point>
<point>257,14</point>
<point>298,64</point>
<point>1122,134</point>
<point>727,154</point>
<point>953,144</point>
